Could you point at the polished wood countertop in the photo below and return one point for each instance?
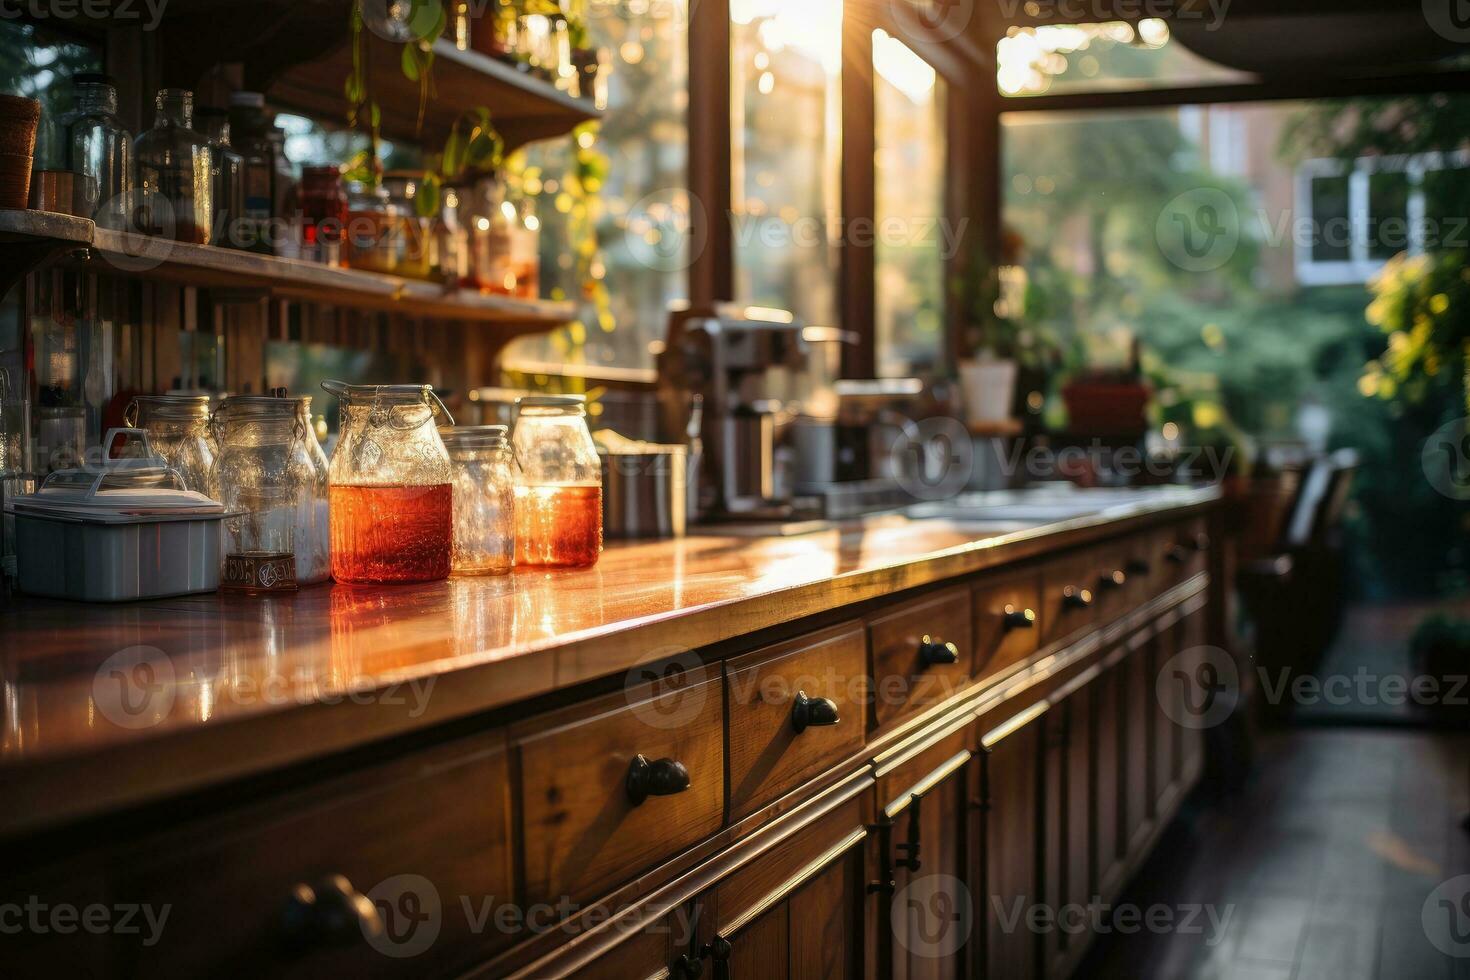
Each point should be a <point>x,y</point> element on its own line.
<point>110,706</point>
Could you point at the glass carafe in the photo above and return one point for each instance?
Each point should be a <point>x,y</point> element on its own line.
<point>98,147</point>
<point>559,502</point>
<point>485,478</point>
<point>392,486</point>
<point>179,431</point>
<point>175,172</point>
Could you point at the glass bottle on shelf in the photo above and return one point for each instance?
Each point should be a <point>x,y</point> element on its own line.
<point>175,172</point>
<point>99,148</point>
<point>454,229</point>
<point>559,501</point>
<point>492,238</point>
<point>485,478</point>
<point>284,189</point>
<point>229,176</point>
<point>392,486</point>
<point>178,428</point>
<point>420,258</point>
<point>323,206</point>
<point>526,250</point>
<point>248,127</point>
<point>375,237</point>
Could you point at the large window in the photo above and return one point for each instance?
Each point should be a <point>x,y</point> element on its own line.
<point>786,114</point>
<point>915,234</point>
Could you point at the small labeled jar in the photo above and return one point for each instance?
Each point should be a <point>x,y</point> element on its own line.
<point>559,502</point>
<point>179,431</point>
<point>485,478</point>
<point>420,259</point>
<point>323,205</point>
<point>375,237</point>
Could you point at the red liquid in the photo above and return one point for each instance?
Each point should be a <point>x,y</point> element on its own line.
<point>391,534</point>
<point>559,526</point>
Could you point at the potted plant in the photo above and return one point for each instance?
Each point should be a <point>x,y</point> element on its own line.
<point>993,300</point>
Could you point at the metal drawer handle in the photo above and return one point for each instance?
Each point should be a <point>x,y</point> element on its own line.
<point>1201,542</point>
<point>1019,619</point>
<point>1075,598</point>
<point>328,913</point>
<point>662,777</point>
<point>1176,553</point>
<point>812,712</point>
<point>934,652</point>
<point>1113,580</point>
<point>1137,566</point>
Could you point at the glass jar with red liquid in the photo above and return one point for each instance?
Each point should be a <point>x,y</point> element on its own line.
<point>323,202</point>
<point>559,501</point>
<point>392,486</point>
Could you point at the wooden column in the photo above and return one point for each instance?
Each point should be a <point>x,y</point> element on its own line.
<point>712,274</point>
<point>859,203</point>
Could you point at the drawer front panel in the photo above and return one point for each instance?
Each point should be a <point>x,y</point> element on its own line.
<point>1008,623</point>
<point>582,771</point>
<point>922,654</point>
<point>795,710</point>
<point>1069,600</point>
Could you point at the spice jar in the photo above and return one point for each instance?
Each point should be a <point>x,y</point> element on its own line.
<point>420,259</point>
<point>392,487</point>
<point>485,477</point>
<point>559,502</point>
<point>178,430</point>
<point>268,473</point>
<point>375,238</point>
<point>323,205</point>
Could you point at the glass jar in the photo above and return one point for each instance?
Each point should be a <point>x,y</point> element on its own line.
<point>228,168</point>
<point>392,486</point>
<point>559,502</point>
<point>98,147</point>
<point>485,478</point>
<point>492,237</point>
<point>525,250</point>
<point>453,229</point>
<point>248,125</point>
<point>374,240</point>
<point>178,430</point>
<point>420,247</point>
<point>323,205</point>
<point>284,189</point>
<point>266,472</point>
<point>175,172</point>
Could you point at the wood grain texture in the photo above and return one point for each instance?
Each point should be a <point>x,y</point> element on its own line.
<point>1077,570</point>
<point>902,682</point>
<point>997,645</point>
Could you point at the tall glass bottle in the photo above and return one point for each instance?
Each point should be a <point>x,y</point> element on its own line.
<point>229,176</point>
<point>99,148</point>
<point>248,132</point>
<point>284,189</point>
<point>175,172</point>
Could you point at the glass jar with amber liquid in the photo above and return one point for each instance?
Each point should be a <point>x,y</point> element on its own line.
<point>559,501</point>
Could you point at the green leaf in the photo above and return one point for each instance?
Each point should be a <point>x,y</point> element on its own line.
<point>427,201</point>
<point>375,117</point>
<point>410,63</point>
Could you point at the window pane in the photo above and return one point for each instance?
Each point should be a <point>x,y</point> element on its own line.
<point>785,67</point>
<point>1446,202</point>
<point>1331,220</point>
<point>638,207</point>
<point>1388,214</point>
<point>1100,57</point>
<point>912,243</point>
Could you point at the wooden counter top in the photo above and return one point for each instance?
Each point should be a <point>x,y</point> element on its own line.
<point>108,706</point>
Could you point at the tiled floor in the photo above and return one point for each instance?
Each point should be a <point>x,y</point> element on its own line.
<point>1323,867</point>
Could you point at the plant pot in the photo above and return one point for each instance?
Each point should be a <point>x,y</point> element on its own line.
<point>1107,408</point>
<point>989,388</point>
<point>18,121</point>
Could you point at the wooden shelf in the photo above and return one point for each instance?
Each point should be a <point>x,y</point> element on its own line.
<point>1001,428</point>
<point>28,238</point>
<point>524,108</point>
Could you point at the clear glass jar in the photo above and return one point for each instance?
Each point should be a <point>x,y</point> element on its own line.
<point>559,502</point>
<point>374,240</point>
<point>178,430</point>
<point>229,176</point>
<point>492,237</point>
<point>392,486</point>
<point>248,134</point>
<point>175,172</point>
<point>98,147</point>
<point>323,206</point>
<point>525,250</point>
<point>485,478</point>
<point>420,246</point>
<point>267,473</point>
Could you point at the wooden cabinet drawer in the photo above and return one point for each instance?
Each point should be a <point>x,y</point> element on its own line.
<point>1110,580</point>
<point>582,771</point>
<point>1069,601</point>
<point>1189,549</point>
<point>1146,566</point>
<point>1007,621</point>
<point>922,653</point>
<point>795,710</point>
<point>285,889</point>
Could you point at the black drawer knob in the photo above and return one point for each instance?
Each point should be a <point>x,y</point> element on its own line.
<point>1075,598</point>
<point>326,913</point>
<point>662,777</point>
<point>1200,542</point>
<point>1019,619</point>
<point>1112,580</point>
<point>935,652</point>
<point>1177,553</point>
<point>1137,566</point>
<point>812,712</point>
